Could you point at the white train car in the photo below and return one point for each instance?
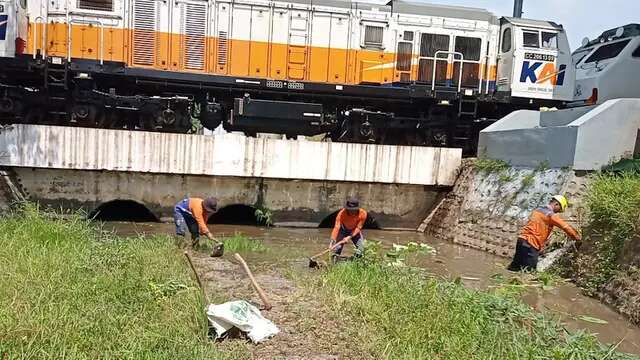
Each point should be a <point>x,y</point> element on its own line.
<point>383,72</point>
<point>608,67</point>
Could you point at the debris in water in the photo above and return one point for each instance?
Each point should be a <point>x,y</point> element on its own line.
<point>591,319</point>
<point>242,315</point>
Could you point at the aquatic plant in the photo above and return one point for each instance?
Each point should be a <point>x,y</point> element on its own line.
<point>264,216</point>
<point>242,243</point>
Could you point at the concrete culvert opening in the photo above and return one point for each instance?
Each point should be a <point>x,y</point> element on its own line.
<point>123,210</point>
<point>330,220</point>
<point>237,214</point>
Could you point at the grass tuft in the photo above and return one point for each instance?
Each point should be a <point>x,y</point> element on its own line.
<point>613,203</point>
<point>69,291</point>
<point>490,166</point>
<point>241,243</point>
<point>407,316</point>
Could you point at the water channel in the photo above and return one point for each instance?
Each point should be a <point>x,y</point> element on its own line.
<point>475,268</point>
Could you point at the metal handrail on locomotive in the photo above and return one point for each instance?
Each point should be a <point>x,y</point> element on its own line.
<point>392,72</point>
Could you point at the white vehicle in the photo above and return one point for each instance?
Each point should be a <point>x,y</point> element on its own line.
<point>608,67</point>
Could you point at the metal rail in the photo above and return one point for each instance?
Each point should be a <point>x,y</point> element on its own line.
<point>435,64</point>
<point>36,21</point>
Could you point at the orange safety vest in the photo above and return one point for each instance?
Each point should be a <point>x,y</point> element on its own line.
<point>541,223</point>
<point>350,222</point>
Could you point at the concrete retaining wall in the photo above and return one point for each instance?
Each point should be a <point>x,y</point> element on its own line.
<point>302,201</point>
<point>486,211</point>
<point>224,155</point>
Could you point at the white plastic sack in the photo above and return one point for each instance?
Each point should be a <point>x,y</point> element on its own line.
<point>242,315</point>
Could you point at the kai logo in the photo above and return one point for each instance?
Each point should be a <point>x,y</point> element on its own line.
<point>538,72</point>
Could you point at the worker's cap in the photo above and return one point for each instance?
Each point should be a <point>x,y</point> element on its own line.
<point>210,205</point>
<point>352,204</point>
<point>562,201</point>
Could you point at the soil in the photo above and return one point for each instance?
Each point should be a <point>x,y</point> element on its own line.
<point>308,328</point>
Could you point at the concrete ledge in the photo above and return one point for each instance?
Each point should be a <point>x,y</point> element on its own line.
<point>77,148</point>
<point>587,138</point>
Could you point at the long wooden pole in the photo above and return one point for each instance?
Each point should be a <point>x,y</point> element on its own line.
<point>193,268</point>
<point>263,297</point>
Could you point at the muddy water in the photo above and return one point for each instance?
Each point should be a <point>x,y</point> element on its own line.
<point>475,268</point>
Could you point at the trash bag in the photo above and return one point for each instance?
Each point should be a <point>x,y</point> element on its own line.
<point>242,315</point>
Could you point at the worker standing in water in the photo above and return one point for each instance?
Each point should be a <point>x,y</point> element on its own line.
<point>535,234</point>
<point>348,226</point>
<point>192,214</point>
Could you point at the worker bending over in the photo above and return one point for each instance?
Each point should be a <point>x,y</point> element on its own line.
<point>192,214</point>
<point>348,226</point>
<point>535,234</point>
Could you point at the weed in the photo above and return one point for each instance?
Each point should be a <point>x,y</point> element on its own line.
<point>65,295</point>
<point>614,204</point>
<point>490,166</point>
<point>527,181</point>
<point>405,316</point>
<point>264,216</point>
<point>241,243</point>
<point>542,166</point>
<point>505,178</point>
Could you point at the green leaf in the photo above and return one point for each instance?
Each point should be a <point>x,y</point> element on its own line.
<point>592,319</point>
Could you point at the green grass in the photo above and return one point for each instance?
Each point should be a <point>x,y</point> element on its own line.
<point>613,203</point>
<point>68,291</point>
<point>489,166</point>
<point>241,243</point>
<point>403,315</point>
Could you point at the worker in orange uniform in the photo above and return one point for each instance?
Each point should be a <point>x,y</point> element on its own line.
<point>192,214</point>
<point>348,226</point>
<point>534,235</point>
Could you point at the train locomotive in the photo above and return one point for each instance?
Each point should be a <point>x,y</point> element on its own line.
<point>607,67</point>
<point>376,72</point>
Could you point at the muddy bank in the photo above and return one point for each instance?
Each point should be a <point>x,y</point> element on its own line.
<point>489,204</point>
<point>308,329</point>
<point>284,265</point>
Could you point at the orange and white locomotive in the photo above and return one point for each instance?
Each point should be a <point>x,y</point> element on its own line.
<point>392,72</point>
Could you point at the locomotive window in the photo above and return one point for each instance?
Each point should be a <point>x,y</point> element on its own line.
<point>469,47</point>
<point>506,40</point>
<point>608,51</point>
<point>408,36</point>
<point>100,5</point>
<point>373,35</point>
<point>430,43</point>
<point>636,53</point>
<point>579,55</point>
<point>403,63</point>
<point>549,40</point>
<point>531,39</point>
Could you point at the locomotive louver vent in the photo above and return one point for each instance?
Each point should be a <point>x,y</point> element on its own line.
<point>222,47</point>
<point>144,32</point>
<point>194,28</point>
<point>100,5</point>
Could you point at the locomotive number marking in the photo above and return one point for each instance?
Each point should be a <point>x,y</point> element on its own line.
<point>539,57</point>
